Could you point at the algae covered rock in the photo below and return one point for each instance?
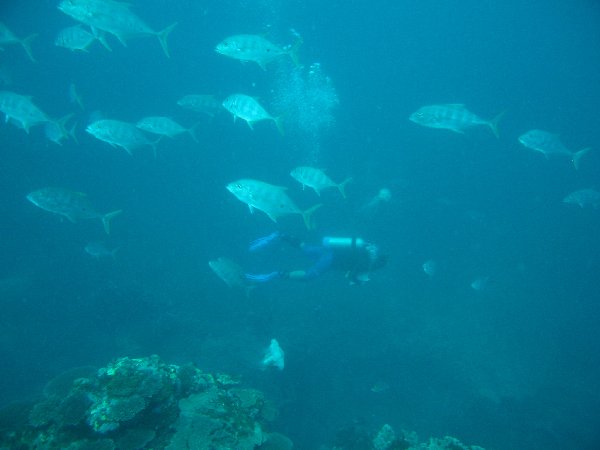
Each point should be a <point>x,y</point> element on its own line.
<point>360,438</point>
<point>219,419</point>
<point>141,403</point>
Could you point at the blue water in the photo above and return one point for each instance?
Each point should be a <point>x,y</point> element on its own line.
<point>513,365</point>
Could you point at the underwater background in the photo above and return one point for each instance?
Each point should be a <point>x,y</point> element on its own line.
<point>499,346</point>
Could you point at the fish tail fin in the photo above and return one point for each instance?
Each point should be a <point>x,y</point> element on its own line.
<point>279,124</point>
<point>494,123</point>
<point>342,186</point>
<point>162,37</point>
<point>79,101</point>
<point>192,132</point>
<point>577,156</point>
<point>62,122</point>
<point>26,44</point>
<point>307,216</point>
<point>293,51</point>
<point>106,218</point>
<point>71,133</point>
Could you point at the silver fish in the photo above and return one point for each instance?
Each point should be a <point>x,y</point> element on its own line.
<point>164,126</point>
<point>247,108</point>
<point>379,387</point>
<point>452,116</point>
<point>274,356</point>
<point>120,134</point>
<point>317,179</point>
<point>549,144</point>
<point>480,284</point>
<point>7,37</point>
<point>21,110</point>
<point>584,198</point>
<point>231,273</point>
<point>270,199</point>
<point>76,38</point>
<point>70,204</point>
<point>100,250</point>
<point>430,268</point>
<point>113,17</point>
<point>202,103</point>
<point>251,47</point>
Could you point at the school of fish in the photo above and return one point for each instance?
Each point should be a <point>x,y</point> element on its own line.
<point>97,22</point>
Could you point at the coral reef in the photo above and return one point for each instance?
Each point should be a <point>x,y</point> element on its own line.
<point>356,437</point>
<point>142,403</point>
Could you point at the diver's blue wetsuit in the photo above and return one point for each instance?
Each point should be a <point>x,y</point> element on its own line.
<point>324,257</point>
<point>355,257</point>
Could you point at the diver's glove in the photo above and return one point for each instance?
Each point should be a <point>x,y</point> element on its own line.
<point>263,277</point>
<point>265,241</point>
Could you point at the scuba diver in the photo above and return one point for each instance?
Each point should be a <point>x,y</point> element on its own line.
<point>353,256</point>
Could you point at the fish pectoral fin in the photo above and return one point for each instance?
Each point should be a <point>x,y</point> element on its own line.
<point>262,65</point>
<point>102,39</point>
<point>70,217</point>
<point>272,217</point>
<point>251,209</point>
<point>121,39</point>
<point>250,124</point>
